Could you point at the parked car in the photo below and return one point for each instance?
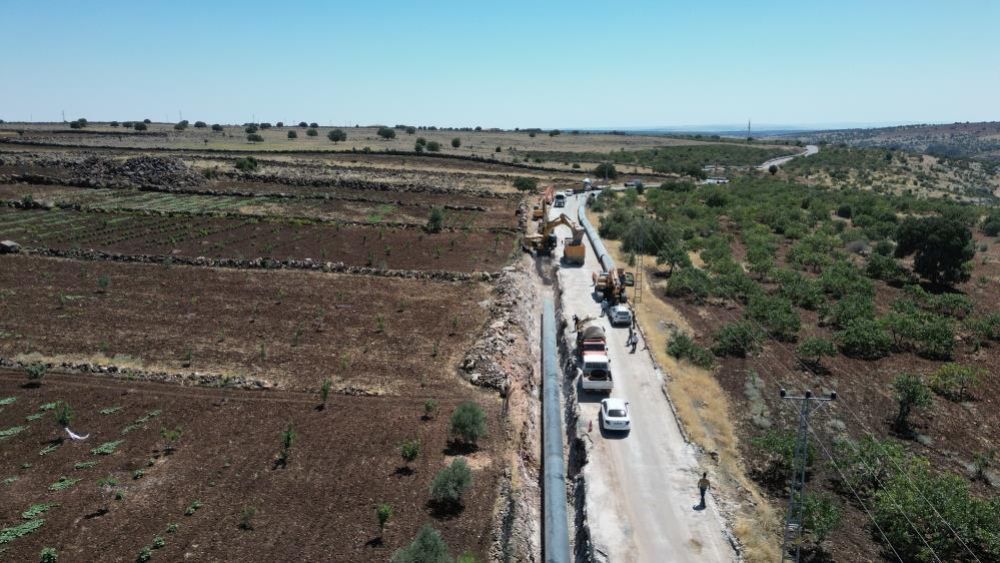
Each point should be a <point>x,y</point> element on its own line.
<point>620,315</point>
<point>615,415</point>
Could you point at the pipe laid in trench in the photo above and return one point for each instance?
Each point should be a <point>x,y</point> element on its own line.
<point>556,528</point>
<point>595,241</point>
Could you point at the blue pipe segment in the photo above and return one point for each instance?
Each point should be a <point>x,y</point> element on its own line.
<point>556,540</point>
<point>595,241</point>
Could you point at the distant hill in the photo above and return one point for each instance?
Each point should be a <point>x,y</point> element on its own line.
<point>966,140</point>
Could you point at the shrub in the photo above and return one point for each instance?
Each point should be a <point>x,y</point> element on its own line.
<point>145,554</point>
<point>799,289</point>
<point>778,448</point>
<point>200,124</point>
<point>450,484</point>
<point>409,450</point>
<point>288,437</point>
<point>433,146</point>
<point>386,133</point>
<point>942,248</point>
<point>864,339</point>
<point>812,351</point>
<point>889,270</point>
<point>690,282</point>
<point>683,347</point>
<point>246,164</point>
<point>216,127</point>
<point>605,170</point>
<point>293,135</point>
<point>383,512</point>
<point>140,126</point>
<point>435,221</point>
<point>254,138</point>
<point>35,371</point>
<point>821,515</point>
<point>314,125</point>
<point>421,142</point>
<point>64,414</point>
<point>954,381</point>
<point>430,407</point>
<point>147,121</point>
<point>336,135</point>
<point>911,392</point>
<point>411,130</point>
<point>48,555</point>
<point>456,142</point>
<point>842,278</point>
<point>525,184</point>
<point>427,547</point>
<point>468,423</point>
<point>179,126</point>
<point>246,517</point>
<point>324,391</point>
<point>311,132</point>
<point>844,211</point>
<point>739,339</point>
<point>849,308</point>
<point>776,314</point>
<point>252,128</point>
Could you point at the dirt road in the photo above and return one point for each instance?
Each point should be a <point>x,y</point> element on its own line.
<point>810,149</point>
<point>641,487</point>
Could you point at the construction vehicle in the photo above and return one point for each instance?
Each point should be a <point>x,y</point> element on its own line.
<point>541,210</point>
<point>612,286</point>
<point>592,347</point>
<point>574,251</point>
<point>545,241</point>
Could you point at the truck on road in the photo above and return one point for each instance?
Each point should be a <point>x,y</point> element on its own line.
<point>595,365</point>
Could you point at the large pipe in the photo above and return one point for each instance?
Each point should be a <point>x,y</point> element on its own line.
<point>595,241</point>
<point>556,541</point>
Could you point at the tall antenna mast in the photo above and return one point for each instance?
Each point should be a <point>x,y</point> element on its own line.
<point>748,130</point>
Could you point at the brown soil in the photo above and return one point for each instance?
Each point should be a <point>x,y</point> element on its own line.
<point>321,507</point>
<point>292,328</point>
<point>354,245</point>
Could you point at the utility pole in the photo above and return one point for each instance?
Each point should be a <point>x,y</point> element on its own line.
<point>791,546</point>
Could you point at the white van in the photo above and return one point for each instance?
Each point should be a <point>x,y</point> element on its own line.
<point>560,200</point>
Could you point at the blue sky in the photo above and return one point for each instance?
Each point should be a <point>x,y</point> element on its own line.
<point>503,63</point>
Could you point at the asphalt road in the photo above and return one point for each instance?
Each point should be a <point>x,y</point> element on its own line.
<point>641,487</point>
<point>810,149</point>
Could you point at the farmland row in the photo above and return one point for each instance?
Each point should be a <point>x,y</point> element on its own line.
<point>248,238</point>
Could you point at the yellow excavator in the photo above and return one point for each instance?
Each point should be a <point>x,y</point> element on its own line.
<point>545,241</point>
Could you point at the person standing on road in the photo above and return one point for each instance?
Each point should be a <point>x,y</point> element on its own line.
<point>703,486</point>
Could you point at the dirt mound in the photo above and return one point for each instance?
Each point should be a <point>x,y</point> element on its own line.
<point>139,171</point>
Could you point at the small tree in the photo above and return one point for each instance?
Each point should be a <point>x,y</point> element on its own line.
<point>386,133</point>
<point>303,124</point>
<point>606,170</point>
<point>246,517</point>
<point>430,407</point>
<point>147,121</point>
<point>910,392</point>
<point>246,164</point>
<point>740,339</point>
<point>312,132</point>
<point>450,484</point>
<point>433,146</point>
<point>216,127</point>
<point>48,555</point>
<point>427,547</point>
<point>941,246</point>
<point>435,221</point>
<point>456,142</point>
<point>64,414</point>
<point>812,350</point>
<point>293,135</point>
<point>953,381</point>
<point>324,392</point>
<point>468,423</point>
<point>383,512</point>
<point>409,451</point>
<point>314,125</point>
<point>200,125</point>
<point>252,128</point>
<point>525,184</point>
<point>254,138</point>
<point>336,135</point>
<point>35,371</point>
<point>821,516</point>
<point>773,169</point>
<point>411,130</point>
<point>170,438</point>
<point>140,126</point>
<point>288,437</point>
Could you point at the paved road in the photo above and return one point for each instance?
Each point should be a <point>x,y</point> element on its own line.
<point>810,149</point>
<point>641,488</point>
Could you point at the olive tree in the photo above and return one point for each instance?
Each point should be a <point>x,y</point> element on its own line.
<point>468,423</point>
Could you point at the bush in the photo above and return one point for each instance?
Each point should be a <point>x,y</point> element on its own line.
<point>800,290</point>
<point>314,125</point>
<point>942,248</point>
<point>337,135</point>
<point>889,270</point>
<point>435,222</point>
<point>864,339</point>
<point>911,392</point>
<point>386,133</point>
<point>739,339</point>
<point>456,142</point>
<point>690,282</point>
<point>312,132</point>
<point>246,164</point>
<point>64,414</point>
<point>844,211</point>
<point>821,515</point>
<point>849,308</point>
<point>180,126</point>
<point>48,555</point>
<point>409,450</point>
<point>427,547</point>
<point>605,170</point>
<point>411,130</point>
<point>778,447</point>
<point>468,423</point>
<point>254,138</point>
<point>450,484</point>
<point>140,126</point>
<point>812,351</point>
<point>682,347</point>
<point>954,381</point>
<point>35,371</point>
<point>525,184</point>
<point>200,124</point>
<point>433,146</point>
<point>216,127</point>
<point>293,135</point>
<point>252,128</point>
<point>776,314</point>
<point>383,512</point>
